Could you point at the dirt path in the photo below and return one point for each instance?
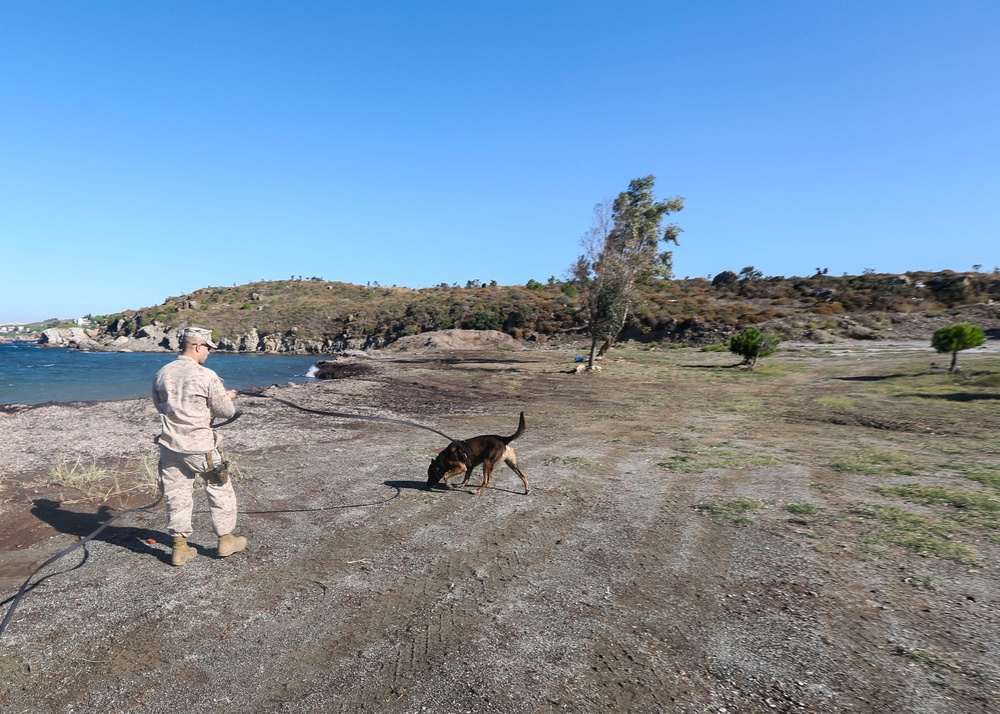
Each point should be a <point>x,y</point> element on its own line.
<point>611,587</point>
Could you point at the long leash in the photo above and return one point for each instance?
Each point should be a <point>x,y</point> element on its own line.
<point>464,450</point>
<point>343,415</point>
<point>16,600</point>
<point>82,542</point>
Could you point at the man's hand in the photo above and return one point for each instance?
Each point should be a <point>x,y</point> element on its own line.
<point>231,393</point>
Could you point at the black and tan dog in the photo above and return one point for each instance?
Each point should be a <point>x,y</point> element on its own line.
<point>488,450</point>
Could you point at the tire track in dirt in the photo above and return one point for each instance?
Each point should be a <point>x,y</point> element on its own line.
<point>420,607</point>
<point>646,659</point>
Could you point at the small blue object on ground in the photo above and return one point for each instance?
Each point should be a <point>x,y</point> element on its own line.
<point>580,359</point>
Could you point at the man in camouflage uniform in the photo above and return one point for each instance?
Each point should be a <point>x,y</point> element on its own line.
<point>188,396</point>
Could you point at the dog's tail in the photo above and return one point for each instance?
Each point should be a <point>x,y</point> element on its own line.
<point>520,430</point>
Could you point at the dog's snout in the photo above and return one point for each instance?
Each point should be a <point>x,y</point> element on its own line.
<point>433,475</point>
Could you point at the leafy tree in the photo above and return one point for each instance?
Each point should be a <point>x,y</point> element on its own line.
<point>622,251</point>
<point>955,338</point>
<point>483,318</point>
<point>752,344</point>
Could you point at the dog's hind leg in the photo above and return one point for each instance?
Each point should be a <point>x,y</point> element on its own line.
<point>510,458</point>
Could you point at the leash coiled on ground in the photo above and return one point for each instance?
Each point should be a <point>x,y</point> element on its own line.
<point>16,600</point>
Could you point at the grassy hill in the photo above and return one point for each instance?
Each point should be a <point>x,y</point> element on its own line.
<point>690,311</point>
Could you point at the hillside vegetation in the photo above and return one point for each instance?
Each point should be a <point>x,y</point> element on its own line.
<point>314,315</point>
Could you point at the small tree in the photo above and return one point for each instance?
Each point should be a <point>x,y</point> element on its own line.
<point>955,338</point>
<point>621,251</point>
<point>752,344</point>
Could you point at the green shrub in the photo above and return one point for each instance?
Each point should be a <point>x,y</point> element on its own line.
<point>957,337</point>
<point>752,344</point>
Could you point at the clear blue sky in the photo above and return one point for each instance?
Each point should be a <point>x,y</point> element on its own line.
<point>148,149</point>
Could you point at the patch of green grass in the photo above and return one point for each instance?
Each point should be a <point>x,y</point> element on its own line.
<point>730,512</point>
<point>803,509</point>
<point>743,403</point>
<point>680,463</point>
<point>987,478</point>
<point>966,391</point>
<point>770,368</point>
<point>974,511</point>
<point>926,536</point>
<point>505,381</point>
<point>803,514</point>
<point>871,462</point>
<point>943,495</point>
<point>984,380</point>
<point>836,402</point>
<point>694,458</point>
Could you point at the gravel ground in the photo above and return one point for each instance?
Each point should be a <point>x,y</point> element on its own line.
<point>605,589</point>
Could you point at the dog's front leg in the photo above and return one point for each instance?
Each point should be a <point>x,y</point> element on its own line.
<point>487,469</point>
<point>454,472</point>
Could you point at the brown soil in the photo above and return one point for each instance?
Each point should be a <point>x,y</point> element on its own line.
<point>608,588</point>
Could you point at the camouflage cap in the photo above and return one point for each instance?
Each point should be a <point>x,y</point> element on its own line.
<point>197,336</point>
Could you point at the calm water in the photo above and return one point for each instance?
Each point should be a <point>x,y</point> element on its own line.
<point>33,375</point>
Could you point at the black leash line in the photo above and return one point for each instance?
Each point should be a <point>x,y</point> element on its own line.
<point>466,451</point>
<point>325,508</point>
<point>342,415</point>
<point>82,542</point>
<point>16,600</point>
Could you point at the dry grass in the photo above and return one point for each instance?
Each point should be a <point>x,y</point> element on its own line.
<point>100,483</point>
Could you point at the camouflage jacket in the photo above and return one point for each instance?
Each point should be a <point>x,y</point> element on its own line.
<point>188,396</point>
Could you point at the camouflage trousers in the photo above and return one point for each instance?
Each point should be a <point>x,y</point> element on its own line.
<point>177,473</point>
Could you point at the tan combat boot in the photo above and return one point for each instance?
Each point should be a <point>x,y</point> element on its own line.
<point>182,551</point>
<point>229,544</point>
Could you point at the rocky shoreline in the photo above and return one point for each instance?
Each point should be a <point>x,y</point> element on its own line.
<point>155,338</point>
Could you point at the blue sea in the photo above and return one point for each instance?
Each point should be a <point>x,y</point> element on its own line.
<point>34,375</point>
